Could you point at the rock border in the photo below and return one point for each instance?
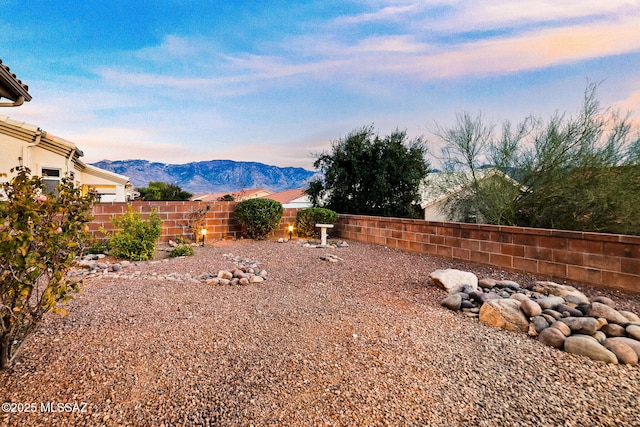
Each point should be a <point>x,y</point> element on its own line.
<point>558,315</point>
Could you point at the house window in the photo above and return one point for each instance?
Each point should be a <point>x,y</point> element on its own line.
<point>51,179</point>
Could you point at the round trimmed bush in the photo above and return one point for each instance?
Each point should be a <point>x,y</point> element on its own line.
<point>306,220</point>
<point>258,217</point>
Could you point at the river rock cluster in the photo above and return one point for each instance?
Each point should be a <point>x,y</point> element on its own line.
<point>247,271</point>
<point>557,315</point>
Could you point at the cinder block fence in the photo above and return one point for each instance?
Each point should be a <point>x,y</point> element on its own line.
<point>608,260</point>
<point>176,217</point>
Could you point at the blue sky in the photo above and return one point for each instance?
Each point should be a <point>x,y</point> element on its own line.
<point>277,81</point>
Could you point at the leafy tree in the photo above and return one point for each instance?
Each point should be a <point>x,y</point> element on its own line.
<point>369,175</point>
<point>40,236</point>
<point>163,191</point>
<point>575,173</point>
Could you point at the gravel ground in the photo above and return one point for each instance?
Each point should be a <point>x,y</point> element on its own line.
<point>360,342</point>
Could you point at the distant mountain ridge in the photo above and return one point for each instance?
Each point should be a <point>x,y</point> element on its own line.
<point>210,176</point>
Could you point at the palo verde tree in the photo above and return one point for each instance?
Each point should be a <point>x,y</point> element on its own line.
<point>163,191</point>
<point>577,172</point>
<point>40,236</point>
<point>370,175</point>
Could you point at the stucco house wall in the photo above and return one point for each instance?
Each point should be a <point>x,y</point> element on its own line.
<point>53,158</point>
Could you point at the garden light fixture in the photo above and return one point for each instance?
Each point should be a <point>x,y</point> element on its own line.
<point>290,228</point>
<point>204,233</point>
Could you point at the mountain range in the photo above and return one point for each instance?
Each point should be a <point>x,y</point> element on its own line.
<point>212,176</point>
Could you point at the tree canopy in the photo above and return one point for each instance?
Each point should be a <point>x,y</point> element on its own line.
<point>369,175</point>
<point>577,172</point>
<point>163,191</point>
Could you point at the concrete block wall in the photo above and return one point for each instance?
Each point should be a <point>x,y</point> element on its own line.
<point>219,220</point>
<point>608,260</point>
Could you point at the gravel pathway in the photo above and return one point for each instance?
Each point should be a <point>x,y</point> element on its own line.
<point>360,342</point>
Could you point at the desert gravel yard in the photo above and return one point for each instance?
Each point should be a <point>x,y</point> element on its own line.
<point>362,341</point>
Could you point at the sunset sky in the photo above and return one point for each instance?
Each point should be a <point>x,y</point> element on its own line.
<point>276,81</point>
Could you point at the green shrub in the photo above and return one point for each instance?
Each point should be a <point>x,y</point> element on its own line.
<point>135,238</point>
<point>40,236</point>
<point>182,250</point>
<point>182,240</point>
<point>100,247</point>
<point>258,217</point>
<point>306,220</point>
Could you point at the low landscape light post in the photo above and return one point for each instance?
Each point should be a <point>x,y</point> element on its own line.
<point>204,233</point>
<point>290,228</point>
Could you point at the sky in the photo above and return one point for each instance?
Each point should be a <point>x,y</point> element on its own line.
<point>278,82</point>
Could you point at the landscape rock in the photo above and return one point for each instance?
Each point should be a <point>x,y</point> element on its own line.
<point>576,299</point>
<point>488,296</point>
<point>454,280</point>
<point>598,309</point>
<point>505,314</point>
<point>581,325</point>
<point>223,274</point>
<point>520,297</point>
<point>613,330</point>
<point>552,313</point>
<point>509,284</point>
<point>466,304</point>
<point>530,308</point>
<point>635,345</point>
<point>588,346</point>
<point>632,317</point>
<point>562,327</point>
<point>552,337</point>
<point>599,336</point>
<point>605,301</point>
<point>552,288</point>
<point>573,312</point>
<point>540,324</point>
<point>623,352</point>
<point>633,331</point>
<point>452,302</point>
<point>487,283</point>
<point>550,302</point>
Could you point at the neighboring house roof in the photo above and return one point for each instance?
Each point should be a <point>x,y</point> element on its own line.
<point>238,196</point>
<point>252,193</point>
<point>286,196</point>
<point>206,197</point>
<point>295,198</point>
<point>12,88</point>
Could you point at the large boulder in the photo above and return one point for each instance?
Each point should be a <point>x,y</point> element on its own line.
<point>552,288</point>
<point>454,280</point>
<point>597,309</point>
<point>504,314</point>
<point>585,345</point>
